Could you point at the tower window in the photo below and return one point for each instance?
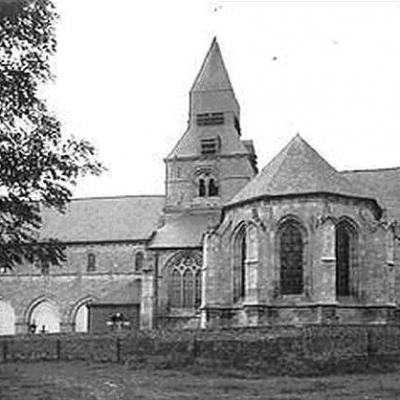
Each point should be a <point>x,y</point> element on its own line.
<point>91,262</point>
<point>210,146</point>
<point>207,185</point>
<point>212,188</point>
<point>202,188</point>
<point>207,119</point>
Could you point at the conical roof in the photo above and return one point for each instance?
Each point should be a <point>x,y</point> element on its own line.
<point>213,74</point>
<point>298,169</point>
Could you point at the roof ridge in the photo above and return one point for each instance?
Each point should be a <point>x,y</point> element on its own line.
<point>126,196</point>
<point>370,169</point>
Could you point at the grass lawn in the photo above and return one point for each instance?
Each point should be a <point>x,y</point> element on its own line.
<point>81,381</point>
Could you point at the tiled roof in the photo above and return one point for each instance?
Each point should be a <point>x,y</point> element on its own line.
<point>298,169</point>
<point>384,184</point>
<point>104,219</point>
<point>181,231</point>
<point>213,74</point>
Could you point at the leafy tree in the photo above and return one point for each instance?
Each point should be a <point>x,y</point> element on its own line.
<point>38,165</point>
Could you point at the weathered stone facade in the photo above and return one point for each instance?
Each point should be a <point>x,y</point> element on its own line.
<point>297,243</point>
<point>72,286</point>
<point>371,297</point>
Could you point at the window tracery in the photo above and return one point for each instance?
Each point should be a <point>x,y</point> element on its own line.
<point>291,253</point>
<point>184,272</point>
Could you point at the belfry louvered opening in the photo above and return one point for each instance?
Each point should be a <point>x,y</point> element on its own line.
<point>207,119</point>
<point>210,146</point>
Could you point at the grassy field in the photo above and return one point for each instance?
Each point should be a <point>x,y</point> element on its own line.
<point>81,381</point>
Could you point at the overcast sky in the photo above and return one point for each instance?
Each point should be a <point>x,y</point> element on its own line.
<point>329,70</point>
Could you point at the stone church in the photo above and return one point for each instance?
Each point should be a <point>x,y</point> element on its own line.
<point>296,243</point>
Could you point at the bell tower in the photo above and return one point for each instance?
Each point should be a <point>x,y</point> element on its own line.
<point>210,163</point>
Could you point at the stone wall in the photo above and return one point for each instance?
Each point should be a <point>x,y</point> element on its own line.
<point>371,275</point>
<point>276,349</point>
<point>231,173</point>
<point>71,285</point>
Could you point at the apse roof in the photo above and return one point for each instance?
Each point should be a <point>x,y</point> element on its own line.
<point>299,169</point>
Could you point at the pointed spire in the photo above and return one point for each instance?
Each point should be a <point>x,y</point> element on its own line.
<point>212,89</point>
<point>213,74</point>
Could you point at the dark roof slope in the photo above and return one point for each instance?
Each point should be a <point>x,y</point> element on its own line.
<point>384,184</point>
<point>299,169</point>
<point>184,230</point>
<point>104,219</point>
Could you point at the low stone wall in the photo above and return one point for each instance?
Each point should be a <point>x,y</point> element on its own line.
<point>276,349</point>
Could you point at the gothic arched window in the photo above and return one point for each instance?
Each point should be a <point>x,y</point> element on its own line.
<point>291,249</point>
<point>345,252</point>
<point>184,286</point>
<point>139,261</point>
<point>239,265</point>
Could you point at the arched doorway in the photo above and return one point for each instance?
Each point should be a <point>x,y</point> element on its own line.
<point>82,318</point>
<point>7,319</point>
<point>46,317</point>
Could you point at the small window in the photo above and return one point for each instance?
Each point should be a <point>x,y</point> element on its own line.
<point>44,267</point>
<point>91,262</point>
<point>210,146</point>
<point>207,119</point>
<point>139,261</point>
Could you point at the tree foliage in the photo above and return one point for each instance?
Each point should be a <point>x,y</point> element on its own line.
<point>39,165</point>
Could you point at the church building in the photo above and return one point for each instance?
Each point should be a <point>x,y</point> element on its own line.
<point>227,245</point>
